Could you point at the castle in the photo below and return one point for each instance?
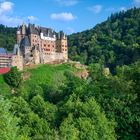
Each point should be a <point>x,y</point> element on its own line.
<point>37,45</point>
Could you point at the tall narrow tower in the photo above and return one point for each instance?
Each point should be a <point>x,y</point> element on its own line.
<point>21,32</point>
<point>19,36</point>
<point>17,58</point>
<point>23,29</point>
<point>62,45</point>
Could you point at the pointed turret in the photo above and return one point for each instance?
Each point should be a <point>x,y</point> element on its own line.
<point>23,29</point>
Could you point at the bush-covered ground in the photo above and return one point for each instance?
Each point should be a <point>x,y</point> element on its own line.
<point>54,104</point>
<point>51,75</point>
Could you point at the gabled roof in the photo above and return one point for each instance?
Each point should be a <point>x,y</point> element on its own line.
<point>32,29</point>
<point>47,31</point>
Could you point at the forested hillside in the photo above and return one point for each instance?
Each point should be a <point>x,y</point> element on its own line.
<point>7,37</point>
<point>49,102</point>
<point>113,42</point>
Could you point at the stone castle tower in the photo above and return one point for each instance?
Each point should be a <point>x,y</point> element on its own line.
<point>17,58</point>
<point>39,45</point>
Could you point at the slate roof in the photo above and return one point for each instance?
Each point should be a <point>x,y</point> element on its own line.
<point>47,32</point>
<point>16,49</point>
<point>32,29</point>
<point>60,35</point>
<point>3,51</point>
<point>25,42</point>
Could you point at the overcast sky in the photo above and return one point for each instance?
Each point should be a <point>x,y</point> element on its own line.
<point>68,15</point>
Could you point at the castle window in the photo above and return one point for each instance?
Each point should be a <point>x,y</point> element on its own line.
<point>48,45</point>
<point>44,45</point>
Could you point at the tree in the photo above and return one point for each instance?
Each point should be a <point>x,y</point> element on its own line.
<point>44,109</point>
<point>114,42</point>
<point>35,127</point>
<point>118,95</point>
<point>7,37</point>
<point>68,131</point>
<point>8,123</point>
<point>13,78</point>
<point>86,120</point>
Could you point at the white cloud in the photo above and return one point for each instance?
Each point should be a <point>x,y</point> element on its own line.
<point>136,3</point>
<point>62,16</point>
<point>6,7</point>
<point>113,10</point>
<point>10,21</point>
<point>122,8</point>
<point>95,8</point>
<point>67,2</point>
<point>32,18</point>
<point>110,9</point>
<point>8,18</point>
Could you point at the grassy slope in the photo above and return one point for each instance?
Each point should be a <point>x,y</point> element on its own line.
<point>52,75</point>
<point>47,74</point>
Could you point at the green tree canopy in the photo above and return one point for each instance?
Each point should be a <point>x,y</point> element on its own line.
<point>8,122</point>
<point>13,77</point>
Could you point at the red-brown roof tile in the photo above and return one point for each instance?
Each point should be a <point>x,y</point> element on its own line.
<point>4,70</point>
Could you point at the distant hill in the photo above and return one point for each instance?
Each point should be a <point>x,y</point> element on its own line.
<point>113,42</point>
<point>7,37</point>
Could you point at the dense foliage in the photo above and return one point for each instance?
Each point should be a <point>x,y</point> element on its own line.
<point>8,122</point>
<point>7,37</point>
<point>51,103</point>
<point>101,107</point>
<point>13,77</point>
<point>113,42</point>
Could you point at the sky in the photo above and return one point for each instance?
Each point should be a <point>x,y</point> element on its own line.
<point>68,15</point>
